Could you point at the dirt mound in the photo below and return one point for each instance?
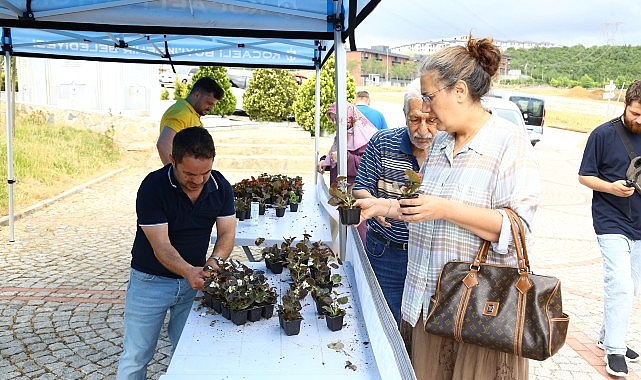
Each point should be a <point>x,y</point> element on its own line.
<point>582,93</point>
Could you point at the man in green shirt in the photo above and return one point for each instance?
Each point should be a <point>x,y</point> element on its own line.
<point>186,113</point>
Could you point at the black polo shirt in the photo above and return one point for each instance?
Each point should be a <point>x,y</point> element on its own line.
<point>605,157</point>
<point>161,200</point>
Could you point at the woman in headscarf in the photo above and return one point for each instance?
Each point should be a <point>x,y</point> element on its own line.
<point>359,131</point>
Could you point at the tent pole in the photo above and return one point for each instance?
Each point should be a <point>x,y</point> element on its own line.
<point>317,105</point>
<point>341,110</point>
<point>8,90</point>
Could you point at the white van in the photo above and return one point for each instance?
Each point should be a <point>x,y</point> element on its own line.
<point>509,111</point>
<point>532,107</point>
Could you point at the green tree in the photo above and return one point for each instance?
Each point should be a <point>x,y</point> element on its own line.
<point>270,95</point>
<point>304,105</point>
<point>226,105</point>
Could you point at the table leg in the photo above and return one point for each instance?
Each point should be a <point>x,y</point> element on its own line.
<point>249,254</point>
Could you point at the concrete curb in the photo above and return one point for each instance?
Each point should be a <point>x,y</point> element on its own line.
<point>5,219</point>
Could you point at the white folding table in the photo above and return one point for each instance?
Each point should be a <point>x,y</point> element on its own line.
<point>311,218</point>
<point>212,347</point>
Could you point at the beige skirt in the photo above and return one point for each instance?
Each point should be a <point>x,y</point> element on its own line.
<point>437,358</point>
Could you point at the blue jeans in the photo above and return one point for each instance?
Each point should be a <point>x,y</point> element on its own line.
<point>148,299</point>
<point>390,267</point>
<point>621,277</point>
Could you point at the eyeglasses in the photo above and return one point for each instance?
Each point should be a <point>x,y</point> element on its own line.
<point>428,98</point>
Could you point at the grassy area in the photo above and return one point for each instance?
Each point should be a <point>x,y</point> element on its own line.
<point>49,159</point>
<point>557,119</point>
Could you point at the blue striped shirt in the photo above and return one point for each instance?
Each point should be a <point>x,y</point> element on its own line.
<point>381,172</point>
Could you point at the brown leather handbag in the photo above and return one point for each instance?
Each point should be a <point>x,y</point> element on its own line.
<point>499,307</point>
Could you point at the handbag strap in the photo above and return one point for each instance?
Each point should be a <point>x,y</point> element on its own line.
<point>522,260</point>
<point>518,235</point>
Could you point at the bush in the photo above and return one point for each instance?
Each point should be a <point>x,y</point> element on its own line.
<point>180,90</point>
<point>304,105</point>
<point>270,95</point>
<point>226,105</point>
<point>164,94</point>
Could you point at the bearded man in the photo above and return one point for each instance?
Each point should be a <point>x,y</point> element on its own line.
<point>616,217</point>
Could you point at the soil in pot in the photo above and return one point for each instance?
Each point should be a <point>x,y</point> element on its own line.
<point>349,216</point>
<point>334,323</point>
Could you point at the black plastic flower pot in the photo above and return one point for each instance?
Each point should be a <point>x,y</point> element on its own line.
<point>240,215</point>
<point>224,311</point>
<point>334,323</point>
<point>216,305</point>
<point>349,216</point>
<point>293,207</point>
<point>239,317</point>
<point>291,327</point>
<point>280,212</point>
<point>407,197</point>
<point>268,311</point>
<point>261,209</point>
<point>319,308</point>
<point>255,314</point>
<point>208,299</point>
<point>276,267</point>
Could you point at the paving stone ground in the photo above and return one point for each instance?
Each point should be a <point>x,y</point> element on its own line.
<point>64,278</point>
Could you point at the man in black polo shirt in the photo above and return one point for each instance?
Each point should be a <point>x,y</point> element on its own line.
<point>177,207</point>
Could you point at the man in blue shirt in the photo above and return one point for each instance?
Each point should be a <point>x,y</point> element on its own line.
<point>616,217</point>
<point>375,117</point>
<point>176,207</point>
<point>380,174</point>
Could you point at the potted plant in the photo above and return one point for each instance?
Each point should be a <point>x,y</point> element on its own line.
<point>289,314</point>
<point>341,195</point>
<point>279,205</point>
<point>293,201</point>
<point>275,256</point>
<point>410,189</point>
<point>334,312</point>
<point>241,208</point>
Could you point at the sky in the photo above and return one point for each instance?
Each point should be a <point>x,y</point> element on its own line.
<point>561,22</point>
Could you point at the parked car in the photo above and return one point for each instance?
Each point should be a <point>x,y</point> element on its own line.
<point>509,111</point>
<point>167,78</point>
<point>239,81</point>
<point>532,107</point>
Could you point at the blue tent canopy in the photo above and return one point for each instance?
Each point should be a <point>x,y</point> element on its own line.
<point>250,33</point>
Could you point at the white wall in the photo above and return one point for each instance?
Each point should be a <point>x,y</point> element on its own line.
<point>119,88</point>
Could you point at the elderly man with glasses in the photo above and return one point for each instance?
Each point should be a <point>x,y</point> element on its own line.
<point>381,174</point>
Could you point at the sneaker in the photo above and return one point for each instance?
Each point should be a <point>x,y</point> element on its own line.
<point>630,354</point>
<point>615,365</point>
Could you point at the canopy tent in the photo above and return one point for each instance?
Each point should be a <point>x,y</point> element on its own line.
<point>248,33</point>
<point>245,33</point>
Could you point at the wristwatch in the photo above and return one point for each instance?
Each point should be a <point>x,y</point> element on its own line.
<point>218,259</point>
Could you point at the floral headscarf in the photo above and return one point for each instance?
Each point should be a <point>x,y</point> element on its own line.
<point>359,128</point>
